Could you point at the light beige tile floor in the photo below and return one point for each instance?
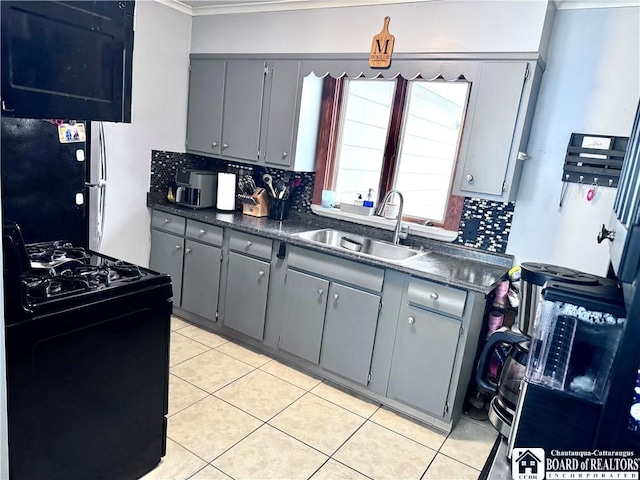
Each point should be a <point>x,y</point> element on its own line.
<point>235,413</point>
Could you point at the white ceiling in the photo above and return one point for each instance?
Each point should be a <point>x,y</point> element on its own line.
<point>219,7</point>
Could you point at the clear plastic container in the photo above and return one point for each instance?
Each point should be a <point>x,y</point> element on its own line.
<point>573,346</point>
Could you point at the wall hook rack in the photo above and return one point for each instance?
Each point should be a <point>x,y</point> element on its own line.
<point>594,159</point>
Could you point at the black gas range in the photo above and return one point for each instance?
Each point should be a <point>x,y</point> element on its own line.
<point>87,344</point>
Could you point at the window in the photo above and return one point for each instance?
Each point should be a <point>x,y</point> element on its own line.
<point>395,134</point>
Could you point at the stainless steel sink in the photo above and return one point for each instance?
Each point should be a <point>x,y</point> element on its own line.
<point>364,246</point>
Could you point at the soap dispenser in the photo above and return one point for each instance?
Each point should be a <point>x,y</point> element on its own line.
<point>359,201</point>
<point>369,201</point>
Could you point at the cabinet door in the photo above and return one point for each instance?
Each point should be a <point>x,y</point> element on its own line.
<point>282,113</point>
<point>305,300</point>
<point>244,89</point>
<point>349,332</point>
<point>201,279</point>
<point>423,357</point>
<point>166,257</point>
<point>246,298</point>
<point>493,123</point>
<point>204,117</point>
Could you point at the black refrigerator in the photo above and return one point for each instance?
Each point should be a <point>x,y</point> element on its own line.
<point>43,179</point>
<point>619,426</point>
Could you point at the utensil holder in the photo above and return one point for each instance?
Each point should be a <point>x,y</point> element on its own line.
<point>279,209</point>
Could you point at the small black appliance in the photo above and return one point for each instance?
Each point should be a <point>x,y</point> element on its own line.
<point>578,329</point>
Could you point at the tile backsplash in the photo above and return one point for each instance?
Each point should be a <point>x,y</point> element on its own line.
<point>484,224</point>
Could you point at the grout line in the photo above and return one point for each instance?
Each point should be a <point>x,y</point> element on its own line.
<point>284,379</point>
<point>407,437</point>
<point>318,469</point>
<point>348,466</point>
<point>460,461</point>
<point>191,452</point>
<point>343,444</point>
<point>226,340</point>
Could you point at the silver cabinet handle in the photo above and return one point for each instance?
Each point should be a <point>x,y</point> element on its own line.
<point>214,144</point>
<point>411,320</point>
<point>336,296</point>
<point>166,220</point>
<point>188,250</point>
<point>249,243</point>
<point>261,274</point>
<point>320,291</point>
<point>434,296</point>
<point>469,178</point>
<point>284,155</point>
<point>202,232</point>
<point>225,145</point>
<point>178,247</point>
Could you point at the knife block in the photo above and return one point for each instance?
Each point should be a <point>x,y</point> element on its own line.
<point>256,205</point>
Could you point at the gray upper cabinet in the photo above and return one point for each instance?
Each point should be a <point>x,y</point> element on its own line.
<point>206,97</point>
<point>166,257</point>
<point>293,120</point>
<point>225,108</point>
<point>201,279</point>
<point>278,150</point>
<point>246,297</point>
<point>495,135</point>
<point>305,300</point>
<point>243,98</point>
<point>423,359</point>
<point>349,332</point>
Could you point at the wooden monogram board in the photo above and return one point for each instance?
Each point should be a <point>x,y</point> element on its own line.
<point>382,47</point>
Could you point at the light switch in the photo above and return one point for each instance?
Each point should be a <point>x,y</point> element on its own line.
<point>79,198</point>
<point>80,155</point>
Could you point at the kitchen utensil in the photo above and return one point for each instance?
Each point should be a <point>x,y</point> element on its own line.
<point>256,205</point>
<point>281,188</point>
<point>268,180</point>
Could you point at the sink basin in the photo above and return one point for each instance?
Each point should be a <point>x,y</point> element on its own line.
<point>364,246</point>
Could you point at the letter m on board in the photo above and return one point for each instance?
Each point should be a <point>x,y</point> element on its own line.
<point>386,46</point>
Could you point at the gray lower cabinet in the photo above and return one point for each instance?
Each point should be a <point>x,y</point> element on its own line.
<point>201,279</point>
<point>423,358</point>
<point>305,301</point>
<point>349,332</point>
<point>246,297</point>
<point>166,257</point>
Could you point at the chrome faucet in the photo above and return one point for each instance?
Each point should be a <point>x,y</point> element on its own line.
<point>397,233</point>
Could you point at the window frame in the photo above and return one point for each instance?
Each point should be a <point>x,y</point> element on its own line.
<point>328,136</point>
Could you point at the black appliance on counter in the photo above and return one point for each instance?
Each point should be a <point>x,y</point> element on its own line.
<point>87,358</point>
<point>67,59</point>
<point>578,329</point>
<point>87,336</point>
<point>517,341</point>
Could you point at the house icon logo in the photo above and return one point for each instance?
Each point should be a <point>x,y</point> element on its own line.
<point>528,464</point>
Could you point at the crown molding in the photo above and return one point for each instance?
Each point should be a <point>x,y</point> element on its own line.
<point>231,7</point>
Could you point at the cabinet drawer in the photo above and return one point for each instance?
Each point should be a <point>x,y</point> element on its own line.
<point>436,297</point>
<point>167,222</point>
<point>204,232</point>
<point>250,244</point>
<point>347,271</point>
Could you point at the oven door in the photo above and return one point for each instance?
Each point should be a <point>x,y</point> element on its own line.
<point>624,226</point>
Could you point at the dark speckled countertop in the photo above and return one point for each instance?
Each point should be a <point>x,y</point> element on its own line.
<point>446,263</point>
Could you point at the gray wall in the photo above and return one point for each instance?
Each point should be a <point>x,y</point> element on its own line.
<point>437,26</point>
<point>591,85</point>
<point>159,116</point>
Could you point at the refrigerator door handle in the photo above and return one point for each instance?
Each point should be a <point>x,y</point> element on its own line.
<point>101,184</point>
